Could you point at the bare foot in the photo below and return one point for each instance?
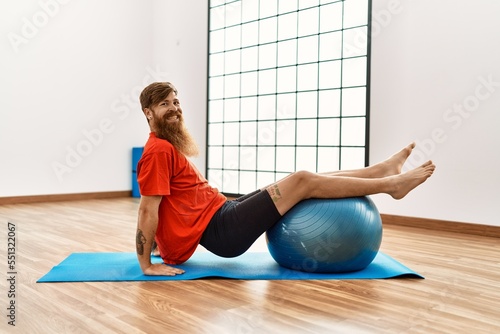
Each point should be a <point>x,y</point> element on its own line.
<point>393,165</point>
<point>406,182</point>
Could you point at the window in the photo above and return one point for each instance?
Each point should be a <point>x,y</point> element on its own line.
<point>287,89</point>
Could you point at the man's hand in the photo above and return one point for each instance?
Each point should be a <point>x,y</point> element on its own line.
<point>159,269</point>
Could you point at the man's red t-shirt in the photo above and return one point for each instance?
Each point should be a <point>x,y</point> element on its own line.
<point>188,202</point>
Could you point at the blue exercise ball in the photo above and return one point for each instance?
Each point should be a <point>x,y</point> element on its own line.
<point>327,235</point>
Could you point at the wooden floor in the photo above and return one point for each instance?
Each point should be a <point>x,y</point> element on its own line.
<point>461,292</point>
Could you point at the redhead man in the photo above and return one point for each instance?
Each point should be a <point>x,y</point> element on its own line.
<point>179,209</point>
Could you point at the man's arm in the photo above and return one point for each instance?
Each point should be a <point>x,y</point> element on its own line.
<point>146,231</point>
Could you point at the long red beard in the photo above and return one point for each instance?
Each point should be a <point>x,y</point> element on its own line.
<point>177,134</point>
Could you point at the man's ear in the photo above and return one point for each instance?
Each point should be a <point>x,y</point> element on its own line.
<point>148,112</point>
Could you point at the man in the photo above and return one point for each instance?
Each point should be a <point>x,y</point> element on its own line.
<point>179,209</point>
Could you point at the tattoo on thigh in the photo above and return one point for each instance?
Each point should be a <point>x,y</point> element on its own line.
<point>140,240</point>
<point>274,191</point>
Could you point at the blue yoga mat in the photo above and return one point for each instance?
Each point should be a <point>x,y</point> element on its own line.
<point>111,267</point>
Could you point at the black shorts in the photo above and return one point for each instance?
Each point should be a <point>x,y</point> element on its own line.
<point>238,223</point>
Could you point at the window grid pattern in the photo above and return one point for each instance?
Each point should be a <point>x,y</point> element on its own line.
<point>287,89</point>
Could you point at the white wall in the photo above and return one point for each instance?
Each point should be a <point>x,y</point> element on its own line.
<point>71,75</point>
<point>430,62</point>
<point>82,66</point>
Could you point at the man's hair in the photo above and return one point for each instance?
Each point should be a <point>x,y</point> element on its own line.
<point>155,93</point>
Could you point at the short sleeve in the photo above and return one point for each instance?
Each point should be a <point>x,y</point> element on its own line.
<point>153,174</point>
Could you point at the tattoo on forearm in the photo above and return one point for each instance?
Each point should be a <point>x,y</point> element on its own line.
<point>140,240</point>
<point>274,192</point>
